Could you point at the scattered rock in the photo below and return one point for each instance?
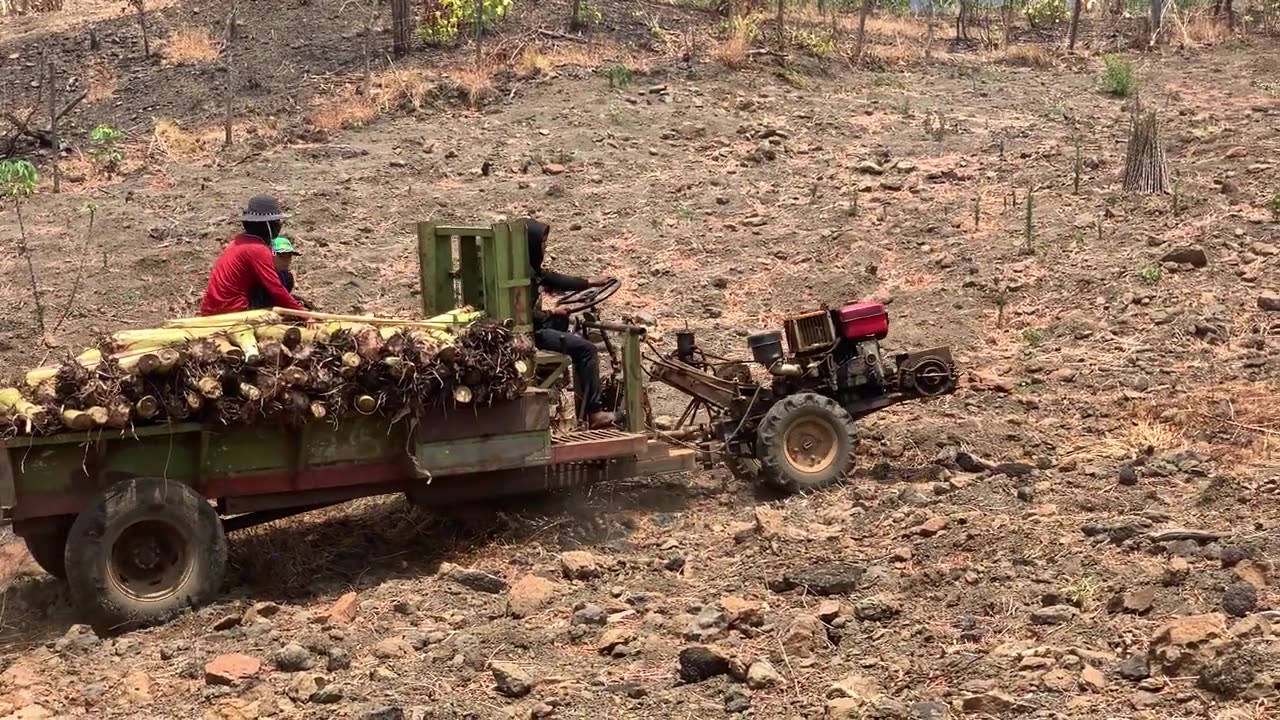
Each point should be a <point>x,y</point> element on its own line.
<point>876,609</point>
<point>1053,615</point>
<point>806,636</point>
<point>77,638</point>
<point>261,611</point>
<point>1182,645</point>
<point>743,613</point>
<point>1092,678</point>
<point>226,623</point>
<point>1269,301</point>
<point>1134,668</point>
<point>579,565</point>
<point>1128,475</point>
<point>1176,571</point>
<point>343,611</point>
<point>304,687</point>
<point>1239,599</point>
<point>831,578</point>
<point>855,686</point>
<point>737,699</point>
<point>710,624</point>
<point>1193,256</point>
<point>591,615</point>
<point>337,659</point>
<point>511,680</point>
<point>930,527</point>
<point>928,711</point>
<point>137,687</point>
<point>292,658</point>
<point>699,662</point>
<point>392,648</point>
<point>614,638</point>
<point>1252,573</point>
<point>530,594</point>
<point>385,712</point>
<point>761,674</point>
<point>994,703</point>
<point>1233,555</point>
<point>230,669</point>
<point>474,579</point>
<point>1233,671</point>
<point>553,169</point>
<point>1136,602</point>
<point>869,168</point>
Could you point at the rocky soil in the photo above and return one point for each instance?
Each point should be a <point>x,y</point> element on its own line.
<point>1087,529</point>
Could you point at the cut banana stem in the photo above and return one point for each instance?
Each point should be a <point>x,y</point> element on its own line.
<point>366,404</point>
<point>210,388</point>
<point>248,344</point>
<point>118,415</point>
<point>318,410</point>
<point>11,400</point>
<point>249,392</point>
<point>77,420</point>
<point>462,394</point>
<point>295,376</point>
<point>194,401</point>
<point>147,407</point>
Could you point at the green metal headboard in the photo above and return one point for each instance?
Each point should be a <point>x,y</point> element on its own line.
<point>492,272</point>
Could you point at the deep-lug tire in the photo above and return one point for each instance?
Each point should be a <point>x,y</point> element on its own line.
<point>143,551</point>
<point>48,544</point>
<point>806,442</point>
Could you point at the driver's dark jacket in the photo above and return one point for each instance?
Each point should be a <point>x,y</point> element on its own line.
<point>539,278</point>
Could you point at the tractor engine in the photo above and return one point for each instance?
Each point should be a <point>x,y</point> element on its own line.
<point>837,353</point>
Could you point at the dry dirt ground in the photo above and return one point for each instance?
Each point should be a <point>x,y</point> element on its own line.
<point>1003,552</point>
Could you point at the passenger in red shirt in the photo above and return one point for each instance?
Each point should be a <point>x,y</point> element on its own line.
<point>246,264</point>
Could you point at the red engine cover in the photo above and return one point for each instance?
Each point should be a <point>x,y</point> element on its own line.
<point>863,320</point>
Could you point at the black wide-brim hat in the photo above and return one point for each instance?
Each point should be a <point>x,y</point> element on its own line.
<point>262,208</point>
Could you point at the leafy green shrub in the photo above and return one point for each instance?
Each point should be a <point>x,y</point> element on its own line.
<point>441,19</point>
<point>18,179</point>
<point>1117,76</point>
<point>1046,13</point>
<point>1151,275</point>
<point>104,148</point>
<point>620,76</point>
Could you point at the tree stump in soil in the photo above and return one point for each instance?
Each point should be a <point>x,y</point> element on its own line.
<point>1146,169</point>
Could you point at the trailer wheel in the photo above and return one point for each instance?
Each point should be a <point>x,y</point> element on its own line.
<point>48,544</point>
<point>144,550</point>
<point>806,442</point>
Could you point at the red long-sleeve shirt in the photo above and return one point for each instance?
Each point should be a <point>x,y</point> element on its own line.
<point>245,264</point>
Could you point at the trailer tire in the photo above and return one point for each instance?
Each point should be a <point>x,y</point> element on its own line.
<point>48,545</point>
<point>144,550</point>
<point>806,442</point>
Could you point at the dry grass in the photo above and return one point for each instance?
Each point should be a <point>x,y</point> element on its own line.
<point>474,83</point>
<point>190,45</point>
<point>732,52</point>
<point>1202,30</point>
<point>172,142</point>
<point>345,110</point>
<point>402,88</point>
<point>1028,56</point>
<point>533,63</point>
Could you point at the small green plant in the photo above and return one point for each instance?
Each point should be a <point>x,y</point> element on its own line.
<point>1117,76</point>
<point>590,15</point>
<point>977,212</point>
<point>105,150</point>
<point>1151,275</point>
<point>1002,301</point>
<point>818,44</point>
<point>18,180</point>
<point>936,126</point>
<point>1274,205</point>
<point>1035,337</point>
<point>1081,593</point>
<point>620,76</point>
<point>1077,166</point>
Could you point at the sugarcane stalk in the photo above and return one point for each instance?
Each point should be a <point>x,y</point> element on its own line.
<point>247,342</point>
<point>365,404</point>
<point>11,400</point>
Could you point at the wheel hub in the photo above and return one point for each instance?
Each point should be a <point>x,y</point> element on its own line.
<point>810,445</point>
<point>149,560</point>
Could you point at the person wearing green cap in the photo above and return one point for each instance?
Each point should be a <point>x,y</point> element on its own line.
<point>282,254</point>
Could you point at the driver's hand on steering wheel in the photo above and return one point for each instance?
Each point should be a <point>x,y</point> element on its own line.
<point>599,281</point>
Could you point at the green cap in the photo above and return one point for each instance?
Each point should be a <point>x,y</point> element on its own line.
<point>283,246</point>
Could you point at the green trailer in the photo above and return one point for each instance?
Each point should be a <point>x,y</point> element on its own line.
<point>136,521</point>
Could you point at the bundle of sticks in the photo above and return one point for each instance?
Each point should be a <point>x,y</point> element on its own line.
<point>272,366</point>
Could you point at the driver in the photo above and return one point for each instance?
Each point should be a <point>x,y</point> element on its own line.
<point>551,329</point>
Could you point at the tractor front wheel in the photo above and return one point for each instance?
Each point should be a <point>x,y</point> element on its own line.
<point>144,550</point>
<point>806,442</point>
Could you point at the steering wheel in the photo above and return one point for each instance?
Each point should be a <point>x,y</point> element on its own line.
<point>580,300</point>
